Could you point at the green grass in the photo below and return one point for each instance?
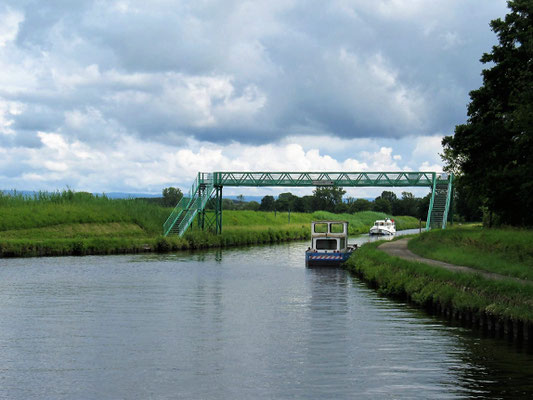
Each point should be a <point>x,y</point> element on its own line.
<point>82,230</point>
<point>67,207</point>
<point>80,223</point>
<point>427,285</point>
<point>358,223</point>
<point>503,251</point>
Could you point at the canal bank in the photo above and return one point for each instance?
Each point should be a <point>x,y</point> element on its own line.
<point>492,303</point>
<point>158,244</point>
<point>102,234</point>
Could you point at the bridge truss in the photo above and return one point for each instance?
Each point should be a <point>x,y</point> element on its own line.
<point>206,192</point>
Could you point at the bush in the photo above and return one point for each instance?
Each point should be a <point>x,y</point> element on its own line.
<point>162,245</point>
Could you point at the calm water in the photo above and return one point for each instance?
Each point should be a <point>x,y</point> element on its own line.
<point>239,323</point>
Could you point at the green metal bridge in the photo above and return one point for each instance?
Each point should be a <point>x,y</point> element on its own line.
<point>207,189</point>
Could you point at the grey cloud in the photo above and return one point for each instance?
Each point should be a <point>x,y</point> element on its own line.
<point>292,57</point>
<point>27,139</point>
<point>13,170</point>
<point>38,117</point>
<point>41,16</point>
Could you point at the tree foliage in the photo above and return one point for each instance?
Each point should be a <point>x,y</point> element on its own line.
<point>286,202</point>
<point>267,203</point>
<point>492,153</point>
<point>327,198</point>
<point>331,199</point>
<point>171,196</point>
<point>360,205</point>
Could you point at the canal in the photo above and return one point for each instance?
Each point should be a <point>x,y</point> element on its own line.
<point>238,323</point>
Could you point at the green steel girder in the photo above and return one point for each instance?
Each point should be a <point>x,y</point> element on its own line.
<point>430,209</point>
<point>345,179</point>
<point>210,217</point>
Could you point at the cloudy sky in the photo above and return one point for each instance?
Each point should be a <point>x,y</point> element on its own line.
<point>135,95</point>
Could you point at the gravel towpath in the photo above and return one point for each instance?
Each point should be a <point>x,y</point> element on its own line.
<point>398,248</point>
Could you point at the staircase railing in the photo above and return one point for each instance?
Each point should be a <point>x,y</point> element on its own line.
<point>440,202</point>
<point>430,210</point>
<point>178,212</point>
<point>198,204</point>
<point>448,201</point>
<point>174,215</point>
<point>187,208</point>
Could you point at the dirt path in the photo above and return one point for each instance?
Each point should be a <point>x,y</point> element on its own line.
<point>398,248</point>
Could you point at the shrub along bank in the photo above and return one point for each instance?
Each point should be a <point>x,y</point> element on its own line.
<point>497,305</point>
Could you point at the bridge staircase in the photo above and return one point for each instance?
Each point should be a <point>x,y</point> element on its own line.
<point>440,204</point>
<point>190,206</point>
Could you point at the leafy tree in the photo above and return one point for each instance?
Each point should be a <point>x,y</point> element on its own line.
<point>492,152</point>
<point>467,203</point>
<point>341,208</point>
<point>389,196</point>
<point>267,203</point>
<point>407,205</point>
<point>285,202</point>
<point>251,205</point>
<point>423,206</point>
<point>360,205</point>
<point>304,204</point>
<point>327,198</point>
<point>229,204</point>
<point>382,205</point>
<point>171,196</point>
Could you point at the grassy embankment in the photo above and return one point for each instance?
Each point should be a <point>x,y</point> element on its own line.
<point>494,304</point>
<point>503,251</point>
<point>78,223</point>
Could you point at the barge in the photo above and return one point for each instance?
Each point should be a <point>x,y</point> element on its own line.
<point>329,244</point>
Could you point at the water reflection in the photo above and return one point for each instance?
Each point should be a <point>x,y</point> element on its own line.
<point>327,360</point>
<point>494,368</point>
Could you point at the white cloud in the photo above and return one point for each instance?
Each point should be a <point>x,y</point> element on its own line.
<point>427,153</point>
<point>427,145</point>
<point>426,167</point>
<point>8,109</point>
<point>383,160</point>
<point>137,165</point>
<point>9,25</point>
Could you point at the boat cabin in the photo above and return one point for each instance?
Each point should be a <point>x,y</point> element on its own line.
<point>329,236</point>
<point>383,227</point>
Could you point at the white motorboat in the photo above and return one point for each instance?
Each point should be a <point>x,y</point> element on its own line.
<point>383,227</point>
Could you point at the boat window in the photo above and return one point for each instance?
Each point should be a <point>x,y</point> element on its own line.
<point>326,244</point>
<point>321,228</point>
<point>337,228</point>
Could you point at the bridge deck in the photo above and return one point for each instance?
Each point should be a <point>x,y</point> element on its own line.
<point>346,179</point>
